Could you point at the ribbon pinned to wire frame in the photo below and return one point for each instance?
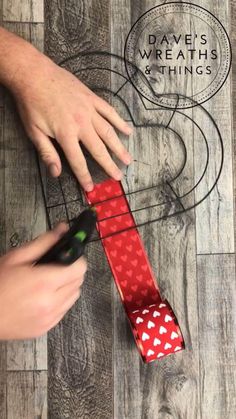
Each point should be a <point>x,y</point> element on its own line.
<point>153,322</point>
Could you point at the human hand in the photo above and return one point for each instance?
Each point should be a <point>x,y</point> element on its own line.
<point>34,298</point>
<point>53,103</point>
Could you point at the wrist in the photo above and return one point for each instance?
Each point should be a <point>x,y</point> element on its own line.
<point>20,62</point>
<point>24,69</point>
<point>29,72</point>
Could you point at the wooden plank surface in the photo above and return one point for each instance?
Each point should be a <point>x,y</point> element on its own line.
<point>22,355</point>
<point>3,358</point>
<point>23,11</point>
<point>133,392</point>
<point>80,347</point>
<point>27,395</point>
<point>22,218</point>
<point>217,293</point>
<point>94,367</point>
<point>215,216</point>
<point>233,40</point>
<point>150,390</point>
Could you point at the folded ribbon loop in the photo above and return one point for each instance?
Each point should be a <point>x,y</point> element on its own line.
<point>152,320</point>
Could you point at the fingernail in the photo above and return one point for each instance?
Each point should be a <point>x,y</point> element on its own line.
<point>128,129</point>
<point>89,187</point>
<point>118,175</point>
<point>54,170</point>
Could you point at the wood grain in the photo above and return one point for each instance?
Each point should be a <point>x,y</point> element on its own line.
<point>3,358</point>
<point>33,33</point>
<point>3,381</point>
<point>233,40</point>
<point>27,394</point>
<point>23,216</point>
<point>23,11</point>
<point>80,347</point>
<point>25,198</point>
<point>215,216</point>
<point>27,355</point>
<point>217,293</point>
<point>171,246</point>
<point>159,389</point>
<point>94,367</point>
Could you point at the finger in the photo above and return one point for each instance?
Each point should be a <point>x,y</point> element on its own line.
<point>35,249</point>
<point>99,151</point>
<point>47,152</point>
<point>107,133</point>
<point>78,163</point>
<point>55,276</point>
<point>76,282</point>
<point>69,302</point>
<point>111,115</point>
<point>64,295</point>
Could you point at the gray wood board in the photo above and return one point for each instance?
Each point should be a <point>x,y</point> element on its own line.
<point>27,395</point>
<point>217,343</point>
<point>22,218</point>
<point>23,11</point>
<point>80,347</point>
<point>3,358</point>
<point>163,388</point>
<point>166,388</point>
<point>94,367</point>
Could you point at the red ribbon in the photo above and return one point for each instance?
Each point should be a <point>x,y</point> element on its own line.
<point>152,320</point>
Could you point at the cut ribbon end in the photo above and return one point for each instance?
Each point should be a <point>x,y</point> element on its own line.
<point>152,320</point>
<point>156,331</point>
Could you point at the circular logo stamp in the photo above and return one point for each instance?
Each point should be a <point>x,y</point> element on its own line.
<point>178,51</point>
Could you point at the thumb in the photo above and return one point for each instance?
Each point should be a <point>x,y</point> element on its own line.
<point>47,152</point>
<point>35,249</point>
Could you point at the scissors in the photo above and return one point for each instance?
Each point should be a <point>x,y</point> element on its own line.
<point>71,246</point>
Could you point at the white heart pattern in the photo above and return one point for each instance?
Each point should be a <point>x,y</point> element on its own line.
<point>162,330</point>
<point>168,318</point>
<point>145,336</point>
<point>168,345</point>
<point>160,355</point>
<point>151,318</point>
<point>156,342</point>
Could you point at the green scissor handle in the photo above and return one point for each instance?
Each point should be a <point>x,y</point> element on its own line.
<point>71,246</point>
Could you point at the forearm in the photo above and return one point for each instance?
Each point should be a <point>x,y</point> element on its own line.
<point>18,58</point>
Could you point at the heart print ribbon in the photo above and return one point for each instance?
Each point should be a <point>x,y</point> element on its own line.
<point>154,325</point>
